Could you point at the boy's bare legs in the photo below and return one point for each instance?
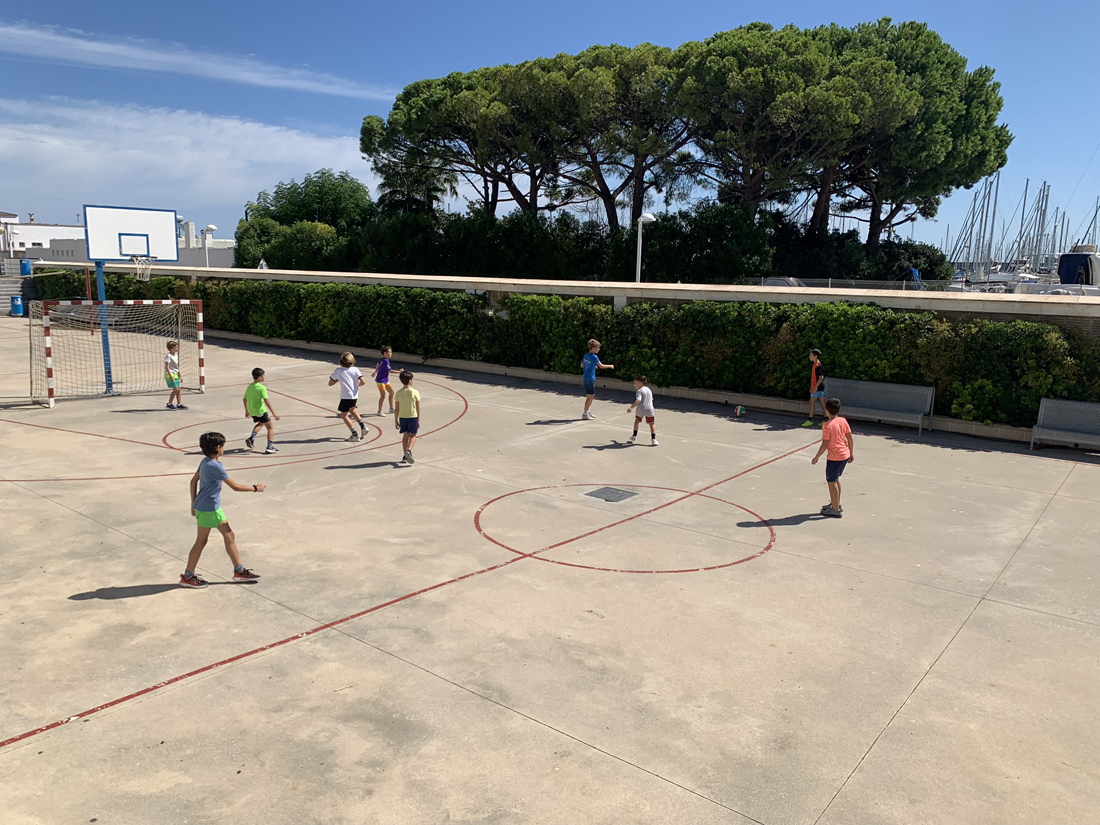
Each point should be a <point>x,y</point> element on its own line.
<point>382,399</point>
<point>346,418</point>
<point>407,442</point>
<point>270,431</point>
<point>230,544</point>
<point>588,399</point>
<point>834,494</point>
<point>196,549</point>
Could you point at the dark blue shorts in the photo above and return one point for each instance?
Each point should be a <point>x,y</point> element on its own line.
<point>409,425</point>
<point>589,387</point>
<point>834,470</point>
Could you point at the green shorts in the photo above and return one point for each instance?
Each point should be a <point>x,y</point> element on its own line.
<point>207,519</point>
<point>172,380</point>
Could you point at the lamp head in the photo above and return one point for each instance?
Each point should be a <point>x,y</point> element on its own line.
<point>210,227</point>
<point>647,218</point>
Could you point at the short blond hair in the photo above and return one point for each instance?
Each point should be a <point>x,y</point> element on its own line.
<point>593,343</point>
<point>173,344</point>
<point>347,360</point>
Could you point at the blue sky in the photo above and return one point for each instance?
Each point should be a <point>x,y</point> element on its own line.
<point>198,106</point>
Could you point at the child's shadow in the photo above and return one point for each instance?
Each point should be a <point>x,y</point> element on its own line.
<point>614,445</point>
<point>786,521</point>
<point>371,465</point>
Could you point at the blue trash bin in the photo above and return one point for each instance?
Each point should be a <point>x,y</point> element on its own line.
<point>17,306</point>
<point>25,268</point>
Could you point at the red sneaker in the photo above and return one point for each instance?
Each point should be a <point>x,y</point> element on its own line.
<point>193,580</point>
<point>245,575</point>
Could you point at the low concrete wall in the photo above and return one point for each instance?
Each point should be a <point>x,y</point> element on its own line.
<point>1076,311</point>
<point>1001,432</point>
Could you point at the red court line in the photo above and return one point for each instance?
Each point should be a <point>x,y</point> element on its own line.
<point>265,464</point>
<point>93,435</point>
<point>207,668</point>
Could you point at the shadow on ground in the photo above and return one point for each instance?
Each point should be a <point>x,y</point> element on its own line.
<point>132,591</point>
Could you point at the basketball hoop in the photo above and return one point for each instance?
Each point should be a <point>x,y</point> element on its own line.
<point>143,265</point>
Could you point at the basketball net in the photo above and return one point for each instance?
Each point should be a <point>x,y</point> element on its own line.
<point>143,265</point>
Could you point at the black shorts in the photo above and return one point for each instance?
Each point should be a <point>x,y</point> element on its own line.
<point>261,419</point>
<point>348,404</point>
<point>834,470</point>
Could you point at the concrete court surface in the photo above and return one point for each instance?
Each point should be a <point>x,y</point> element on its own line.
<point>457,641</point>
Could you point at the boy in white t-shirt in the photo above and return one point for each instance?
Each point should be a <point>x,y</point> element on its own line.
<point>350,379</point>
<point>172,376</point>
<point>643,400</point>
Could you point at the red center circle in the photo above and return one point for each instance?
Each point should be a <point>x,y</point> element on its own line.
<point>537,555</point>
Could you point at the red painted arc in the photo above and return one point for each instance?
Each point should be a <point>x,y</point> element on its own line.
<point>329,625</point>
<point>280,433</point>
<point>264,465</point>
<point>537,555</point>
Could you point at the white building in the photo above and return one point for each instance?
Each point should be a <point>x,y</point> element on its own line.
<point>30,239</point>
<point>70,246</point>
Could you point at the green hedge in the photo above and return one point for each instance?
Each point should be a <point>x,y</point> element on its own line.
<point>991,371</point>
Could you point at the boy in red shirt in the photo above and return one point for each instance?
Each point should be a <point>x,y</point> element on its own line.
<point>836,439</point>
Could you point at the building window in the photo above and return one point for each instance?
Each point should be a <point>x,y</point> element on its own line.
<point>36,245</point>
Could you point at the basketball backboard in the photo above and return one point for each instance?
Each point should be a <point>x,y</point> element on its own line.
<point>119,233</point>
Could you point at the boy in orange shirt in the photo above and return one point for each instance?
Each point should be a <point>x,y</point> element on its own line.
<point>836,439</point>
<point>817,386</point>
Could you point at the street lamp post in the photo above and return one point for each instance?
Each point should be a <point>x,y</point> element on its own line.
<point>205,248</point>
<point>644,219</point>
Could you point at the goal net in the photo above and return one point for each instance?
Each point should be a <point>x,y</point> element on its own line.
<point>85,349</point>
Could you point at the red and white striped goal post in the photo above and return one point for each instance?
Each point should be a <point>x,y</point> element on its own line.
<point>136,302</point>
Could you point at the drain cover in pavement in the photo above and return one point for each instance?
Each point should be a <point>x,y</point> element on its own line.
<point>612,494</point>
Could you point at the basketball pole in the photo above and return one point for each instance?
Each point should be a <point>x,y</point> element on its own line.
<point>101,290</point>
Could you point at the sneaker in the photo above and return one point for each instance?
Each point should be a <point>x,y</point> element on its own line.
<point>409,457</point>
<point>245,575</point>
<point>405,457</point>
<point>362,429</point>
<point>250,443</point>
<point>831,513</point>
<point>380,413</point>
<point>392,410</point>
<point>169,406</point>
<point>829,506</point>
<point>633,438</point>
<point>192,581</point>
<point>180,407</point>
<point>654,443</point>
<point>585,415</point>
<point>352,437</point>
<point>809,423</point>
<point>271,449</point>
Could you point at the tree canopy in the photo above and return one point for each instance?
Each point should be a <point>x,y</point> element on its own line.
<point>880,118</point>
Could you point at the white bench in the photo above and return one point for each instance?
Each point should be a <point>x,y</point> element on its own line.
<point>1076,423</point>
<point>879,401</point>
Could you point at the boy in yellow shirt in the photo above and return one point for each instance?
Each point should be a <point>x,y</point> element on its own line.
<point>406,415</point>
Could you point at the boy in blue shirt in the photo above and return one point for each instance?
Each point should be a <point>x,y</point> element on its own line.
<point>590,363</point>
<point>206,507</point>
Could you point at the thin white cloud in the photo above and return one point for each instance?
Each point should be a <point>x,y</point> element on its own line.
<point>58,154</point>
<point>52,44</point>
